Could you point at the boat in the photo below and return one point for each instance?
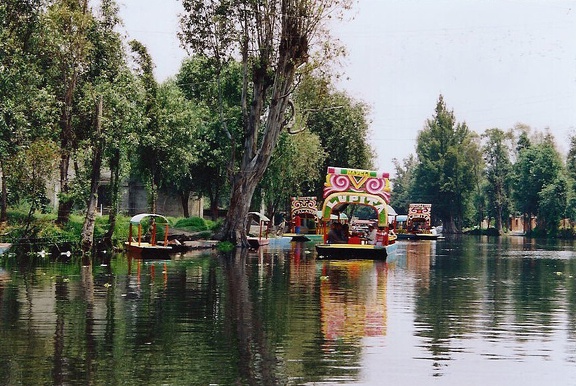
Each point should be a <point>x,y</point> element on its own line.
<point>147,246</point>
<point>345,187</point>
<point>257,230</point>
<point>416,224</point>
<point>303,214</point>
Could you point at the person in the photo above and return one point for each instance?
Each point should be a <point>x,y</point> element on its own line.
<point>335,234</point>
<point>371,234</point>
<point>297,224</point>
<point>345,233</point>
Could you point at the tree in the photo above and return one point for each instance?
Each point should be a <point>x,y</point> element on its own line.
<point>30,170</point>
<point>218,98</point>
<point>178,120</point>
<point>498,171</point>
<point>273,40</point>
<point>149,151</point>
<point>445,176</point>
<point>553,199</point>
<point>292,171</point>
<point>538,165</point>
<point>68,23</point>
<point>28,109</point>
<point>339,121</point>
<point>571,175</point>
<point>102,81</point>
<point>402,183</point>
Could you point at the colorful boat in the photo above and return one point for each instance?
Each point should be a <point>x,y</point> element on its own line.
<point>416,225</point>
<point>303,221</point>
<point>345,187</point>
<point>144,245</point>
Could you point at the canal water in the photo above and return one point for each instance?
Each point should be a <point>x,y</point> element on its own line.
<point>464,311</point>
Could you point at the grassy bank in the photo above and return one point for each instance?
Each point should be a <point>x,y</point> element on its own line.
<point>42,227</point>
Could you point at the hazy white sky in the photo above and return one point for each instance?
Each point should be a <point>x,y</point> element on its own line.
<point>496,62</point>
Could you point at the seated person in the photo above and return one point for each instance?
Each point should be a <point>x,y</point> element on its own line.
<point>372,234</point>
<point>335,234</point>
<point>345,233</point>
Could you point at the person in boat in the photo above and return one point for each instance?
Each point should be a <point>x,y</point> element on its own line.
<point>371,234</point>
<point>345,233</point>
<point>335,234</point>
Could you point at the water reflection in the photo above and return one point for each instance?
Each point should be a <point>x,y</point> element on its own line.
<point>491,310</point>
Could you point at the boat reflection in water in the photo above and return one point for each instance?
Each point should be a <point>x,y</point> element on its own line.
<point>353,299</point>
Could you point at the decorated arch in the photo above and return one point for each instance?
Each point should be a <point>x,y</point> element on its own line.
<point>359,187</point>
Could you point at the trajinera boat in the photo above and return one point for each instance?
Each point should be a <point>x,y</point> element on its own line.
<point>345,187</point>
<point>416,225</point>
<point>144,243</point>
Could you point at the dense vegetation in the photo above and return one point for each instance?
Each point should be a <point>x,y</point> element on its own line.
<point>77,99</point>
<point>499,175</point>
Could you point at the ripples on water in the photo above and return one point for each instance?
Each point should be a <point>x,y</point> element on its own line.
<point>471,311</point>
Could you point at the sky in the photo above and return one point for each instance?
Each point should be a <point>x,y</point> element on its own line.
<point>497,63</point>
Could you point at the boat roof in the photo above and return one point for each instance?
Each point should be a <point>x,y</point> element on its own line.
<point>259,215</point>
<point>139,217</point>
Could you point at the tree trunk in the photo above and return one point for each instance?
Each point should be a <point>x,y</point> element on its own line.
<point>4,208</point>
<point>499,226</point>
<point>90,219</point>
<point>236,221</point>
<point>184,198</point>
<point>114,190</point>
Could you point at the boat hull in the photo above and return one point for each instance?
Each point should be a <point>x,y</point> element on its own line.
<point>355,251</point>
<point>148,251</point>
<point>304,236</point>
<point>257,242</point>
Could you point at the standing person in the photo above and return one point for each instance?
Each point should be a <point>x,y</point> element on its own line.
<point>297,224</point>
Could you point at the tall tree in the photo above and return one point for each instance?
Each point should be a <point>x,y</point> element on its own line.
<point>218,96</point>
<point>445,176</point>
<point>28,109</point>
<point>273,40</point>
<point>68,24</point>
<point>498,171</point>
<point>538,166</point>
<point>178,121</point>
<point>102,80</point>
<point>148,153</point>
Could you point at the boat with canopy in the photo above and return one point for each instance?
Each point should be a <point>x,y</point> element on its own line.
<point>143,242</point>
<point>344,187</point>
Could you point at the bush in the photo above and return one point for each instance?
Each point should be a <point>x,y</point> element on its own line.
<point>192,224</point>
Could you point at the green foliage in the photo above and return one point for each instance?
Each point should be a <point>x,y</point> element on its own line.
<point>538,166</point>
<point>29,171</point>
<point>192,224</point>
<point>403,183</point>
<point>446,173</point>
<point>293,170</point>
<point>339,121</point>
<point>225,246</point>
<point>498,175</point>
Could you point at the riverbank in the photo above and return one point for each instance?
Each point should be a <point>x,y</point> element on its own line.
<point>40,231</point>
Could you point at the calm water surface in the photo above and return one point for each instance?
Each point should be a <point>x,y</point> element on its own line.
<point>469,311</point>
